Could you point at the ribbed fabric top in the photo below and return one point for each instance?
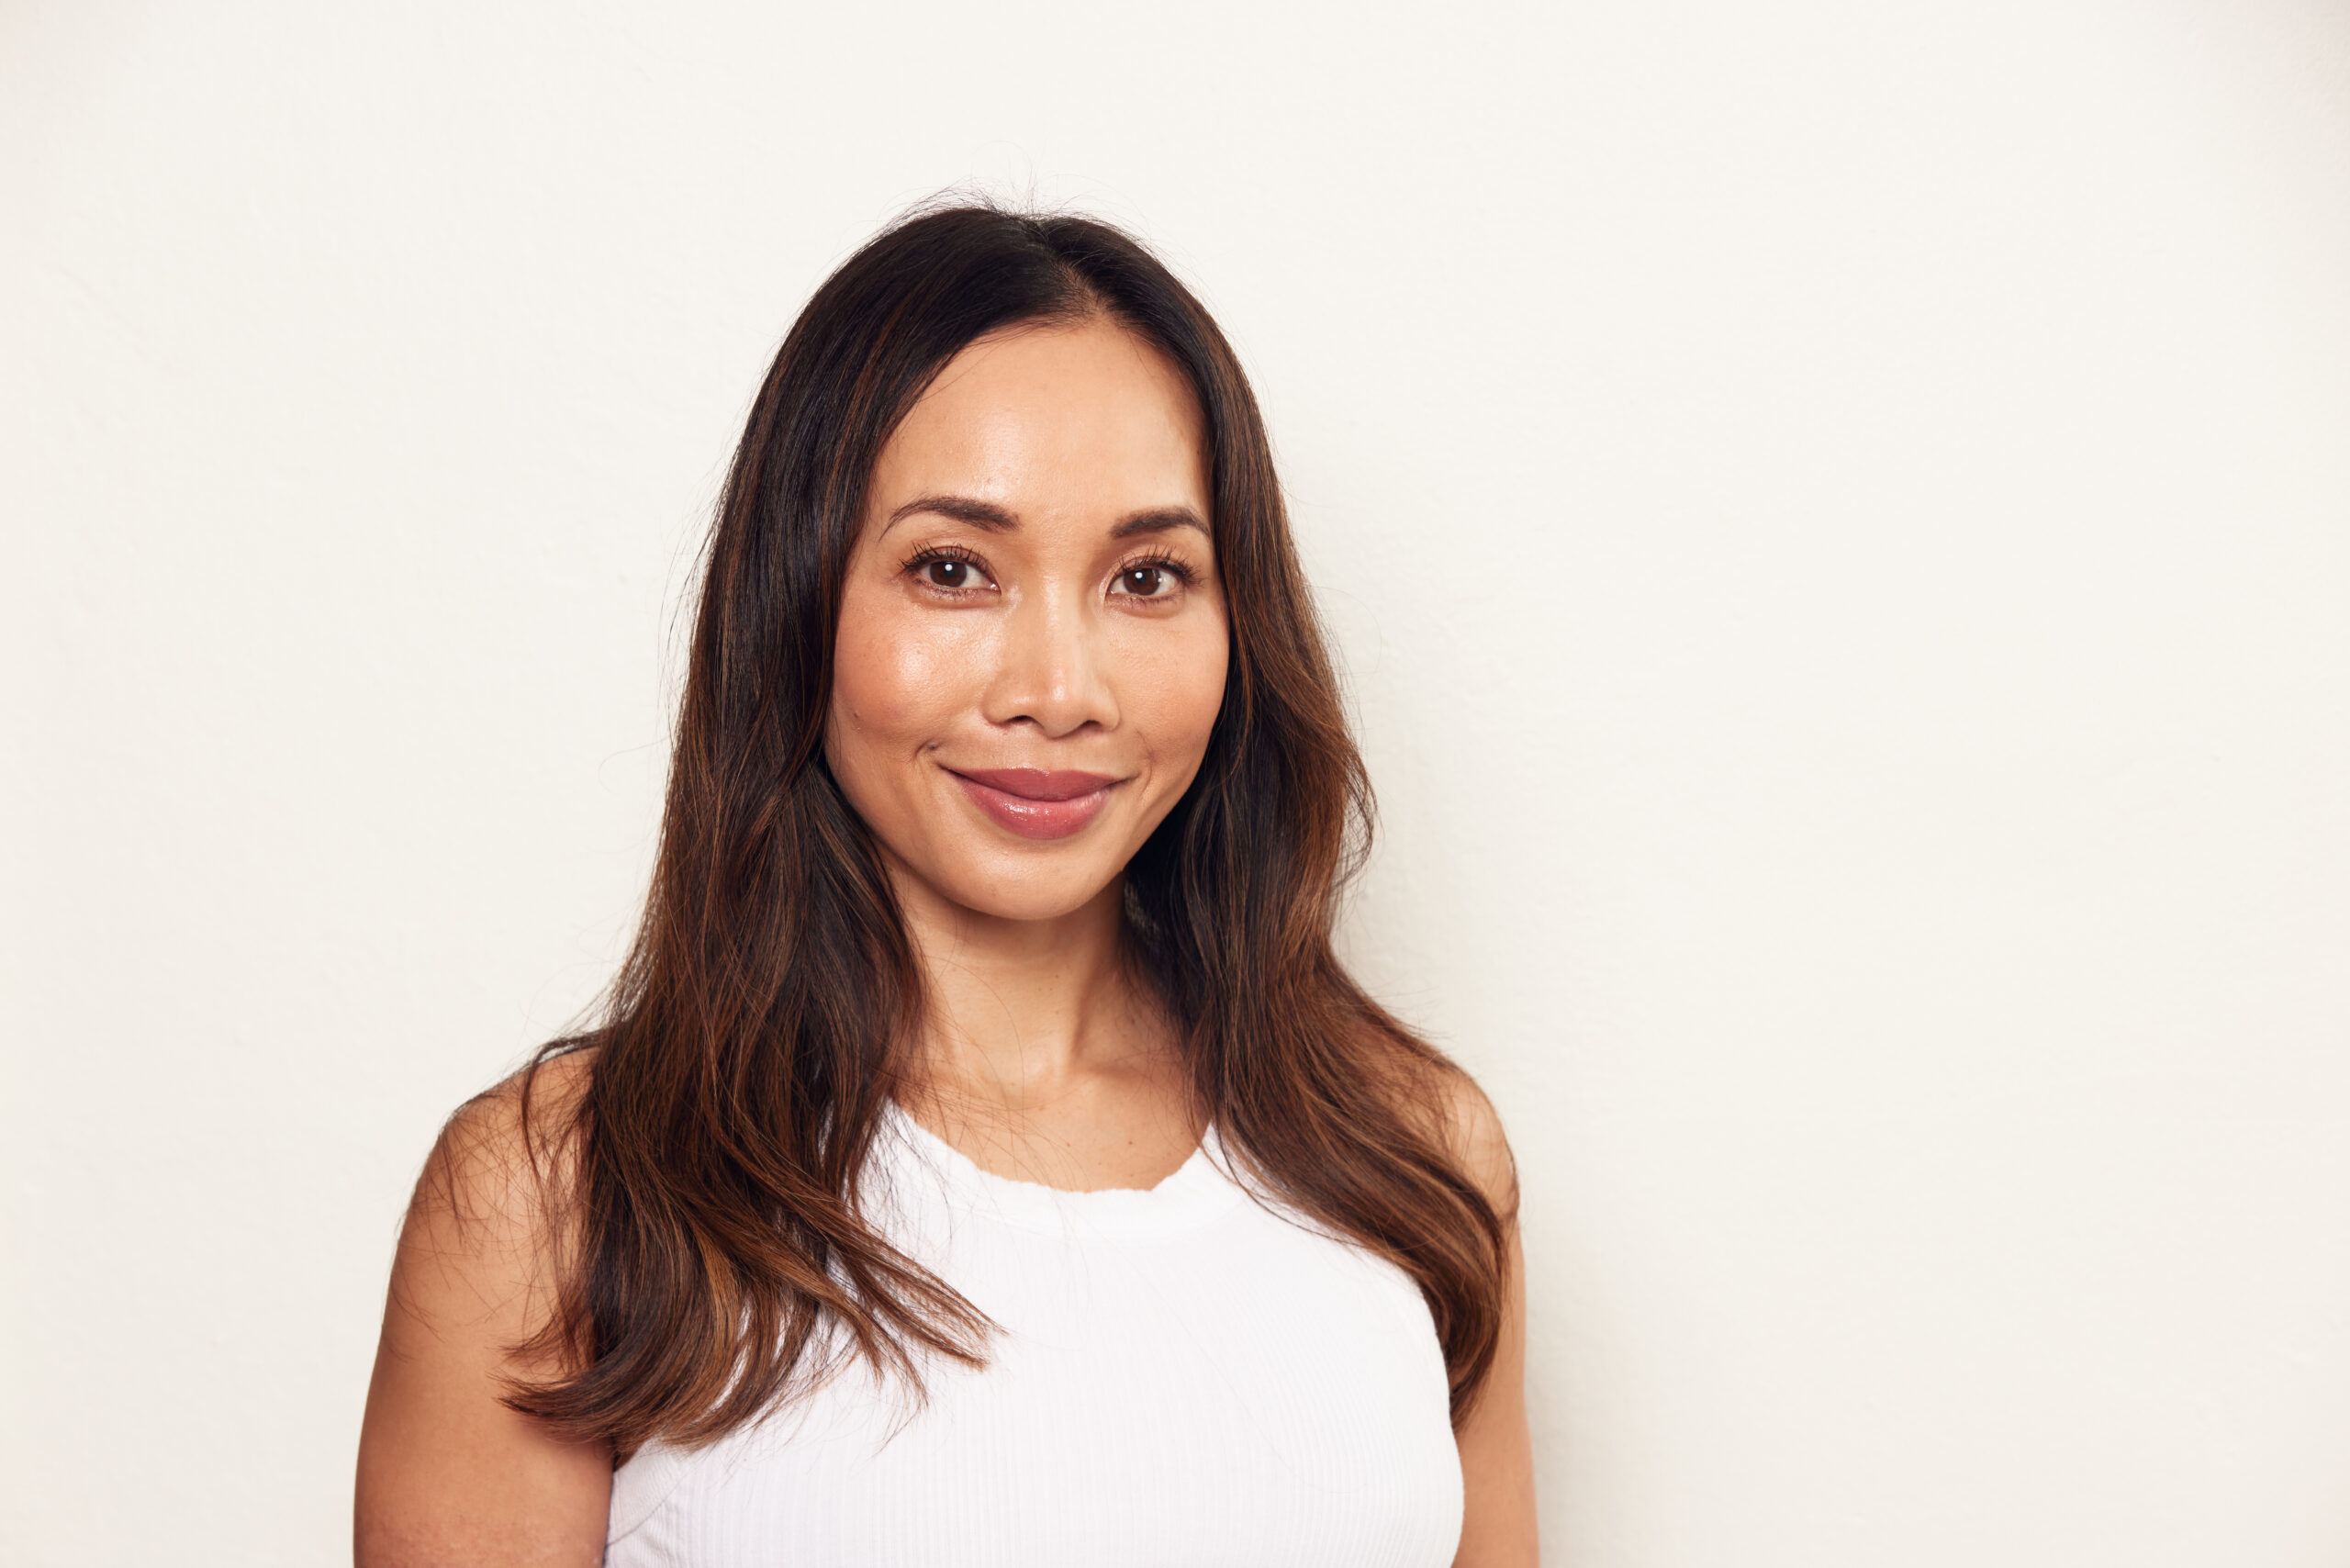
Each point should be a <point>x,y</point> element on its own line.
<point>1182,1376</point>
<point>1195,1195</point>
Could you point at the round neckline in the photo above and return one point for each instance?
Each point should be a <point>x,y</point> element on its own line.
<point>1195,1192</point>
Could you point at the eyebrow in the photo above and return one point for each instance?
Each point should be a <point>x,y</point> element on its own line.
<point>1158,519</point>
<point>962,508</point>
<point>1001,520</point>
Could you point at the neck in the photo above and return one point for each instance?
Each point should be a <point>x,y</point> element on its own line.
<point>1024,1014</point>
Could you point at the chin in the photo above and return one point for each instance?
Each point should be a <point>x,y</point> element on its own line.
<point>1024,893</point>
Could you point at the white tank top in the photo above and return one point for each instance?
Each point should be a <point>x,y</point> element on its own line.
<point>1181,1377</point>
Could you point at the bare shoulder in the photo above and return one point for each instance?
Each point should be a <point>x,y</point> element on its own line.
<point>1497,1526</point>
<point>449,1472</point>
<point>494,1190</point>
<point>1472,1130</point>
<point>482,1255</point>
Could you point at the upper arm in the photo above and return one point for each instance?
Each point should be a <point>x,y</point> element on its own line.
<point>1496,1446</point>
<point>448,1475</point>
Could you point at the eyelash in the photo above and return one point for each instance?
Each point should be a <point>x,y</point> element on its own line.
<point>1168,563</point>
<point>931,552</point>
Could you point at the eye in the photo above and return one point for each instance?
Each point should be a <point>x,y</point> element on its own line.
<point>949,571</point>
<point>1151,579</point>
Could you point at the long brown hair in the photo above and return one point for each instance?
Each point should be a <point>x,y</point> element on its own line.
<point>717,1256</point>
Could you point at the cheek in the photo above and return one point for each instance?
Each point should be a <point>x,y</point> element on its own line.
<point>1187,692</point>
<point>896,676</point>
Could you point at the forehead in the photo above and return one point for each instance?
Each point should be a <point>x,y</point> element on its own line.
<point>1053,416</point>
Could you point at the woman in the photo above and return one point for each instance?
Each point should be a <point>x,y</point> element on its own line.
<point>985,1157</point>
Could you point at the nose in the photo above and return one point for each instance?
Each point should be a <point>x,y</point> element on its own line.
<point>1052,669</point>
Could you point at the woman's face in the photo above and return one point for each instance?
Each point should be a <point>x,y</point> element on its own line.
<point>1032,642</point>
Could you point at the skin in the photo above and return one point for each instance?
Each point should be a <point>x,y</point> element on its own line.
<point>1035,586</point>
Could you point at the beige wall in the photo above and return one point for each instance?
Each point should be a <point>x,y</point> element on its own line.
<point>1838,519</point>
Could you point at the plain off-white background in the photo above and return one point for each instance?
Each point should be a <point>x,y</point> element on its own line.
<point>1836,518</point>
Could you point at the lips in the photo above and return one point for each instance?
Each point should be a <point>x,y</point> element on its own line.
<point>1033,803</point>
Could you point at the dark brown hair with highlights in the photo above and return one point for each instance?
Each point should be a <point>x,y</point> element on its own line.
<point>716,1256</point>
